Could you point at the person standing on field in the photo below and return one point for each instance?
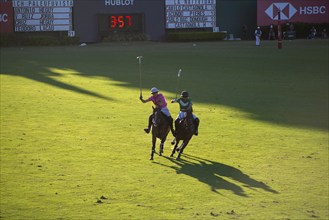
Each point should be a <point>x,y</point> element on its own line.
<point>258,34</point>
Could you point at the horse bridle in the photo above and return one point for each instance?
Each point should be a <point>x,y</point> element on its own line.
<point>156,117</point>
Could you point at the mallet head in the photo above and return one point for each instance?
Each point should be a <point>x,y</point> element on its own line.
<point>139,58</point>
<point>179,71</point>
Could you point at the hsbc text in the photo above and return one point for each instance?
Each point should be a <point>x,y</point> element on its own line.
<point>312,10</point>
<point>3,18</point>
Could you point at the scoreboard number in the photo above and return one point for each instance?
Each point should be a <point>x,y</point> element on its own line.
<point>125,22</point>
<point>120,21</point>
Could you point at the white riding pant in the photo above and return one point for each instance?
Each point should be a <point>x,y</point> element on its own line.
<point>257,41</point>
<point>182,115</point>
<point>165,111</point>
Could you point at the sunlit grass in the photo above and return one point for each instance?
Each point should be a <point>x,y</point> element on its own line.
<point>72,132</point>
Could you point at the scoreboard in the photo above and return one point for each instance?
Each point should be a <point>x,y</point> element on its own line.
<point>42,15</point>
<point>190,14</point>
<point>93,20</point>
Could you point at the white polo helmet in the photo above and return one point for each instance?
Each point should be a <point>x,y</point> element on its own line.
<point>154,90</point>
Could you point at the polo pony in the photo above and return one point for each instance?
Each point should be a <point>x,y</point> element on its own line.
<point>160,129</point>
<point>184,132</point>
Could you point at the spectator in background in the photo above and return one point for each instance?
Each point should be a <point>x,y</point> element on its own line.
<point>285,33</point>
<point>287,27</point>
<point>271,33</point>
<point>324,34</point>
<point>244,32</point>
<point>258,34</point>
<point>312,33</point>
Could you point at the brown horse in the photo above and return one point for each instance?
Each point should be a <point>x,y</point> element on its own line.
<point>184,132</point>
<point>160,129</point>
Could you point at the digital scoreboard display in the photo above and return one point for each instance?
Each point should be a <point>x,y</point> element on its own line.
<point>42,15</point>
<point>190,14</point>
<point>126,22</point>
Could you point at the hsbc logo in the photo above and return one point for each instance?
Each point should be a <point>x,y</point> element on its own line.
<point>4,18</point>
<point>288,10</point>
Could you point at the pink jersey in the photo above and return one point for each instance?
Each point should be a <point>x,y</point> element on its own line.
<point>159,100</point>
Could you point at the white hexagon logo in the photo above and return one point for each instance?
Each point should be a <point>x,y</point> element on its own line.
<point>287,11</point>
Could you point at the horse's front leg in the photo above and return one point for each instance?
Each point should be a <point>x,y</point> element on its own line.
<point>174,150</point>
<point>180,150</point>
<point>163,139</point>
<point>153,146</point>
<point>161,148</point>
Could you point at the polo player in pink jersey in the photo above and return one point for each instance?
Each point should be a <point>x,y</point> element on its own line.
<point>159,101</point>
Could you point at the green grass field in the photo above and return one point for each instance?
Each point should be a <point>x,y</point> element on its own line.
<point>72,132</point>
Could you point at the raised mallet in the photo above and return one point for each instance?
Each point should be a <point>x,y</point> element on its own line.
<point>140,74</point>
<point>178,77</point>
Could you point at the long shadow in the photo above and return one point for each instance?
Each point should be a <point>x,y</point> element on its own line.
<point>212,173</point>
<point>45,76</point>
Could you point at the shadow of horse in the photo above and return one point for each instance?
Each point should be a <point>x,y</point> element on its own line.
<point>184,132</point>
<point>214,174</point>
<point>160,129</point>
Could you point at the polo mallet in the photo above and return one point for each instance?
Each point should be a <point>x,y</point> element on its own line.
<point>178,77</point>
<point>140,74</point>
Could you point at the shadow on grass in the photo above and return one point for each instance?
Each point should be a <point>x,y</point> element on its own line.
<point>44,75</point>
<point>216,175</point>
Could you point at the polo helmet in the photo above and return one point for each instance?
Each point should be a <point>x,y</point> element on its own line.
<point>184,94</point>
<point>154,90</point>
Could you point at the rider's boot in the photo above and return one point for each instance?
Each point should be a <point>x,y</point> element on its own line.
<point>147,130</point>
<point>196,125</point>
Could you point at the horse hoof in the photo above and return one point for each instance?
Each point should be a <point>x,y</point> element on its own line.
<point>172,143</point>
<point>151,158</point>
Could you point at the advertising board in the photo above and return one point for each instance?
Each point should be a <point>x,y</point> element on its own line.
<point>304,11</point>
<point>6,17</point>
